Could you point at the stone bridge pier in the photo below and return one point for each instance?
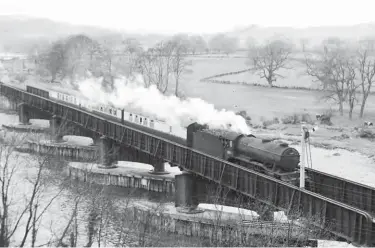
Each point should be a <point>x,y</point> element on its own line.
<point>107,152</point>
<point>56,129</point>
<point>23,114</point>
<point>192,190</point>
<point>159,167</point>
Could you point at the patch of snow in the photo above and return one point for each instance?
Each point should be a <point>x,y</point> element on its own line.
<point>228,209</point>
<point>330,243</point>
<point>280,216</point>
<point>39,122</point>
<point>136,165</point>
<point>8,119</point>
<point>78,140</point>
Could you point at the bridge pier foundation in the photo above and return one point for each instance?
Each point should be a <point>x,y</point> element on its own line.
<point>186,200</point>
<point>55,125</point>
<point>23,114</point>
<point>105,150</point>
<point>266,214</point>
<point>159,168</point>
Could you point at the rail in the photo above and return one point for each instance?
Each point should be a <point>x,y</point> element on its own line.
<point>345,221</point>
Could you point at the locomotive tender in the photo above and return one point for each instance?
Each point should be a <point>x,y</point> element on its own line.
<point>275,159</point>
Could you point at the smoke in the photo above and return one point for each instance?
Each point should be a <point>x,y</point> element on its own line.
<point>133,96</point>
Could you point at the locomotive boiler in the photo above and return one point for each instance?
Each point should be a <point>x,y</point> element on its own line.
<point>275,159</point>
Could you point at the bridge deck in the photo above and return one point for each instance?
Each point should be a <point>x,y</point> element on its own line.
<point>345,221</point>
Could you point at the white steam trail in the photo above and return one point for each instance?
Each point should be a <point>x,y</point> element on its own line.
<point>133,95</point>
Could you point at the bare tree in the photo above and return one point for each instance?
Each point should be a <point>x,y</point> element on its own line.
<point>133,50</point>
<point>179,61</point>
<point>223,43</point>
<point>325,71</point>
<point>366,68</point>
<point>156,65</point>
<point>22,212</point>
<point>197,44</point>
<point>351,84</point>
<point>54,60</point>
<point>268,59</point>
<point>73,57</point>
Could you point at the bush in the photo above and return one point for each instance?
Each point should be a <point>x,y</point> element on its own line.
<point>297,119</point>
<point>292,119</point>
<point>267,123</point>
<point>244,114</point>
<point>366,134</point>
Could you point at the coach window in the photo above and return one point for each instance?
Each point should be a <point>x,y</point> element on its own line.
<point>101,109</point>
<point>140,120</point>
<point>110,111</point>
<point>170,129</point>
<point>230,143</point>
<point>145,122</point>
<point>136,119</point>
<point>152,123</point>
<point>131,117</point>
<point>115,112</point>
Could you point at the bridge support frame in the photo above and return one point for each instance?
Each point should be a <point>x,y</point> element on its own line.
<point>186,200</point>
<point>56,132</point>
<point>105,153</point>
<point>159,168</point>
<point>23,114</point>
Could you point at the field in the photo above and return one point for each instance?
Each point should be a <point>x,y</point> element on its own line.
<point>260,102</point>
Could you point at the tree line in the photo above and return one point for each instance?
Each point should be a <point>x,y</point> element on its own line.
<point>344,71</point>
<point>79,56</point>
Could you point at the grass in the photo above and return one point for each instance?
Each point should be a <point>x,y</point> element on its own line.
<point>262,103</point>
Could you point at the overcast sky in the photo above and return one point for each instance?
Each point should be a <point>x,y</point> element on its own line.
<point>195,15</point>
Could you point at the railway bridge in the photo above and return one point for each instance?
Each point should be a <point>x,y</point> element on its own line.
<point>340,215</point>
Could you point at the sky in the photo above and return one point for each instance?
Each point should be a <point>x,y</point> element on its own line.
<point>198,16</point>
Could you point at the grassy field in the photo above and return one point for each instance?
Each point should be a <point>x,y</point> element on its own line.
<point>293,78</point>
<point>261,102</point>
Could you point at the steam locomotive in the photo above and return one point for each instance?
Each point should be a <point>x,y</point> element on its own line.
<point>274,159</point>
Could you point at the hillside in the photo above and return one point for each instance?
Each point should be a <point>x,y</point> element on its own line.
<point>22,33</point>
<point>314,34</point>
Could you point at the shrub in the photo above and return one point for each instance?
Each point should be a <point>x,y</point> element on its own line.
<point>366,133</point>
<point>297,119</point>
<point>267,123</point>
<point>244,114</point>
<point>291,119</point>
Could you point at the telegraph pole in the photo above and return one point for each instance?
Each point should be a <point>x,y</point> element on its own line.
<point>303,157</point>
<point>305,135</point>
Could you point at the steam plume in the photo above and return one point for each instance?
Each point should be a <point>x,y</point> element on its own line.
<point>132,95</point>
